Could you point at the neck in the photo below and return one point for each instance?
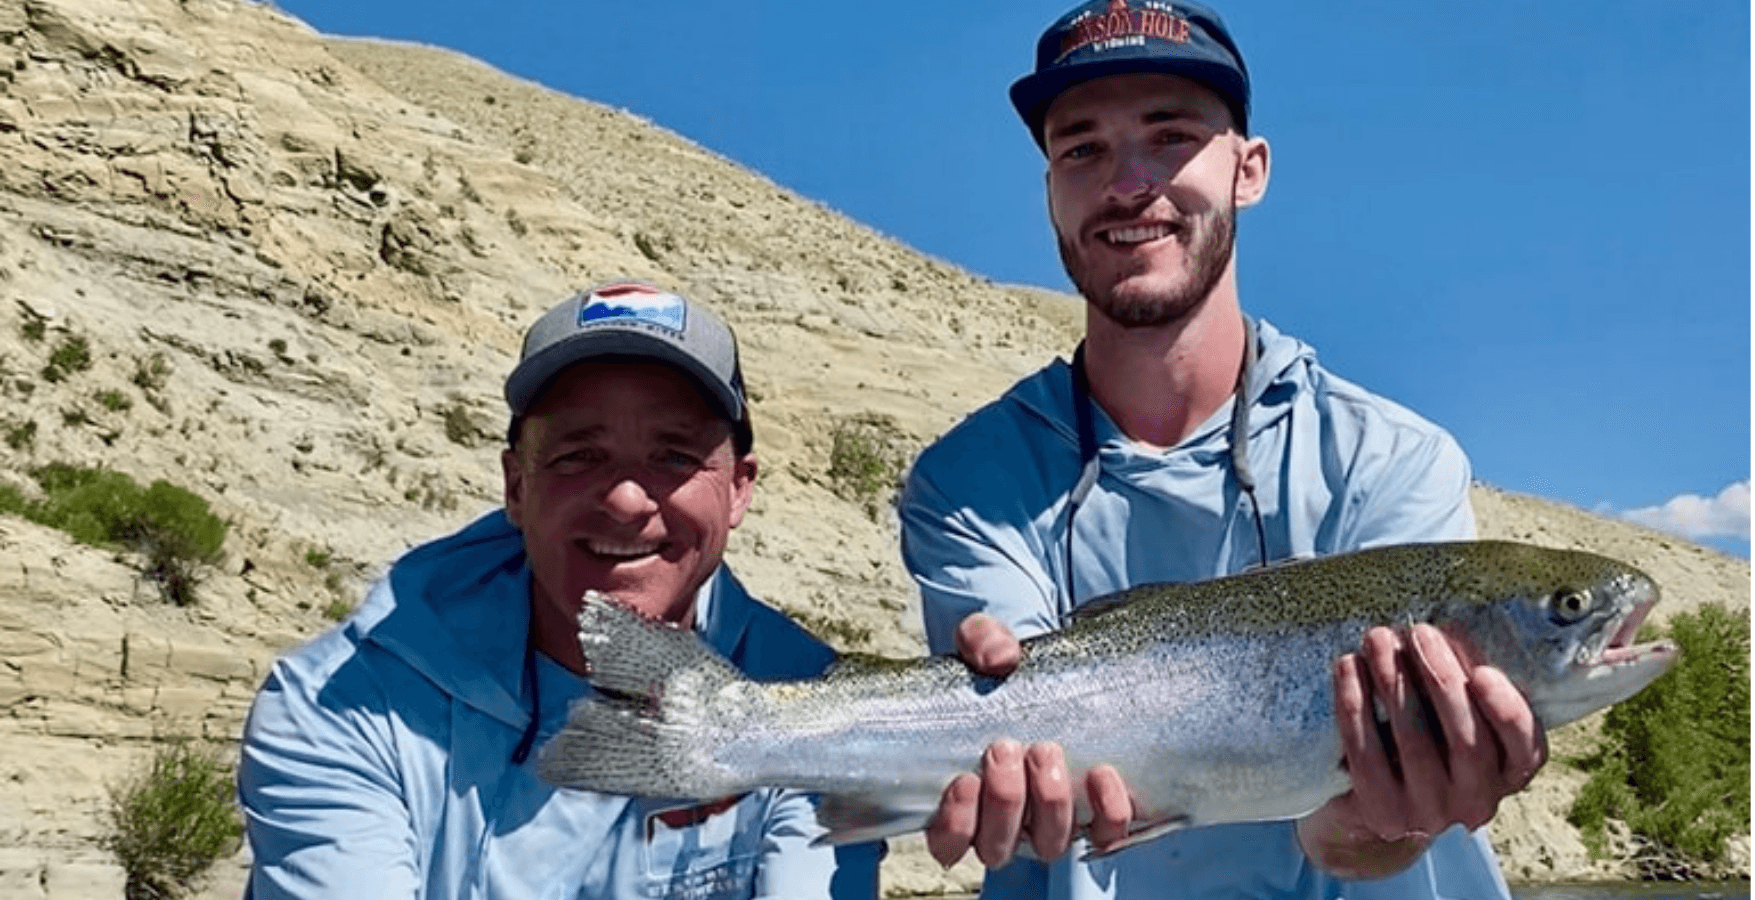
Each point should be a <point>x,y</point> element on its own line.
<point>556,635</point>
<point>1159,384</point>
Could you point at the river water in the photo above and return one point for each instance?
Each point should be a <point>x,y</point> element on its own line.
<point>1736,890</point>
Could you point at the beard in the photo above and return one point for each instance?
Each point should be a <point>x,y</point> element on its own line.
<point>1207,252</point>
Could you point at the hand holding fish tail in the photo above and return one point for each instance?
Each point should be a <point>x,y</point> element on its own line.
<point>1463,739</point>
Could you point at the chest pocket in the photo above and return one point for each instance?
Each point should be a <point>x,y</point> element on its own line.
<point>705,853</point>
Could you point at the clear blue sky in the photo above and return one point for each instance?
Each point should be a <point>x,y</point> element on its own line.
<point>1527,220</point>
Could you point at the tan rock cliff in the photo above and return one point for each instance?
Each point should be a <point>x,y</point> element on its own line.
<point>305,262</point>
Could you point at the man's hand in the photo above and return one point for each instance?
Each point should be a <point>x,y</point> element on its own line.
<point>1022,793</point>
<point>1485,745</point>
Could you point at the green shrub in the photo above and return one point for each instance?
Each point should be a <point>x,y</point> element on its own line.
<point>1674,764</point>
<point>172,822</point>
<point>150,374</point>
<point>34,329</point>
<point>866,459</point>
<point>21,435</point>
<point>317,559</point>
<point>12,500</point>
<point>114,401</point>
<point>170,527</point>
<point>337,610</point>
<point>73,354</point>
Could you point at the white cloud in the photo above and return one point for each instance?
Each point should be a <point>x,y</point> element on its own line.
<point>1693,516</point>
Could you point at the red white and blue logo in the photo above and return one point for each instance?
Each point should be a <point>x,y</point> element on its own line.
<point>639,302</point>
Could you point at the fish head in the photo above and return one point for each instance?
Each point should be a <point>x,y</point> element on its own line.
<point>1561,625</point>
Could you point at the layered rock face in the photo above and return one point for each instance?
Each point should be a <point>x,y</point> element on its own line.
<point>298,269</point>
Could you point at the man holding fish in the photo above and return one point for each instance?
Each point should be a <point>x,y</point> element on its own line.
<point>1186,441</point>
<point>394,755</point>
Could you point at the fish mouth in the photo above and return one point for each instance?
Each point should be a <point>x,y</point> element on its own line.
<point>1620,668</point>
<point>1619,649</point>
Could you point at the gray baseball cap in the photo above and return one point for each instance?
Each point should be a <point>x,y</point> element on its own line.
<point>632,319</point>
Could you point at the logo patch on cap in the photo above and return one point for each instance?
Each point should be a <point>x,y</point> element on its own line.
<point>1121,26</point>
<point>638,302</point>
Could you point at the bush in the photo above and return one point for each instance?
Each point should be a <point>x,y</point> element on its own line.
<point>21,435</point>
<point>1674,764</point>
<point>866,459</point>
<point>168,525</point>
<point>114,401</point>
<point>73,354</point>
<point>172,822</point>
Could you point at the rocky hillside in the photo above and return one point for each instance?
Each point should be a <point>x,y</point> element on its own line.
<point>289,273</point>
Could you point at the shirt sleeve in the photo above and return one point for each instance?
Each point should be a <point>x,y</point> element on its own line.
<point>323,804</point>
<point>1420,492</point>
<point>965,567</point>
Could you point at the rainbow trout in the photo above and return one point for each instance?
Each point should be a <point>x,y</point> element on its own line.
<point>1214,699</point>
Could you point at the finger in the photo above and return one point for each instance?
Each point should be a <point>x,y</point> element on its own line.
<point>1521,738</point>
<point>1111,806</point>
<point>1425,778</point>
<point>952,828</point>
<point>1050,800</point>
<point>1375,787</point>
<point>1000,820</point>
<point>1470,751</point>
<point>986,645</point>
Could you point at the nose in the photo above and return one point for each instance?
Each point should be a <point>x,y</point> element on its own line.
<point>1133,177</point>
<point>627,500</point>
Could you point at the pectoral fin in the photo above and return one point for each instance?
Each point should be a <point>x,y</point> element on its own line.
<point>857,818</point>
<point>1145,832</point>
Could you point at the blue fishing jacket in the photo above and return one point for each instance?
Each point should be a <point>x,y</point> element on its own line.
<point>985,529</point>
<point>377,760</point>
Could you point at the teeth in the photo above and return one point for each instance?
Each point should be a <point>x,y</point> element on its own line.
<point>621,550</point>
<point>1136,234</point>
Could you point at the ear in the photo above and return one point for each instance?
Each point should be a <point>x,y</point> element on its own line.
<point>1254,164</point>
<point>743,486</point>
<point>512,471</point>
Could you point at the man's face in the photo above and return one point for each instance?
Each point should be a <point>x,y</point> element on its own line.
<point>624,481</point>
<point>1145,173</point>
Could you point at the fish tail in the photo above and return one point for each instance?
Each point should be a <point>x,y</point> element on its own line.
<point>650,727</point>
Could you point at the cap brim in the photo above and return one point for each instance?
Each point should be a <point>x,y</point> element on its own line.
<point>533,375</point>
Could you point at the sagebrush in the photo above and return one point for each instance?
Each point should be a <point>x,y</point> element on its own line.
<point>173,821</point>
<point>867,455</point>
<point>171,528</point>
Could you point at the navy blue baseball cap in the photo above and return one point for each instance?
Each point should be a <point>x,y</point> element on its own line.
<point>1114,37</point>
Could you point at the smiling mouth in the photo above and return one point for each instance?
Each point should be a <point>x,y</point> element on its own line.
<point>1131,235</point>
<point>620,552</point>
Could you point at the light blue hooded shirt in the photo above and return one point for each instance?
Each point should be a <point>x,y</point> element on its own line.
<point>984,528</point>
<point>377,760</point>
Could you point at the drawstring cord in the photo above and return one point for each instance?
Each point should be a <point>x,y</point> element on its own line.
<point>1090,466</point>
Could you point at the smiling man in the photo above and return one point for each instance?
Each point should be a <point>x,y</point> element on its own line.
<point>392,756</point>
<point>1187,441</point>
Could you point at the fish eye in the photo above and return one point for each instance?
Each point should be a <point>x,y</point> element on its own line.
<point>1570,605</point>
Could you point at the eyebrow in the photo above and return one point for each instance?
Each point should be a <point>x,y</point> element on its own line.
<point>1152,116</point>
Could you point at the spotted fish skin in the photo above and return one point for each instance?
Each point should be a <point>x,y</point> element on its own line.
<point>1213,699</point>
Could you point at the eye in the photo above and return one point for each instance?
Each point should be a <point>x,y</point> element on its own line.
<point>1570,605</point>
<point>1079,151</point>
